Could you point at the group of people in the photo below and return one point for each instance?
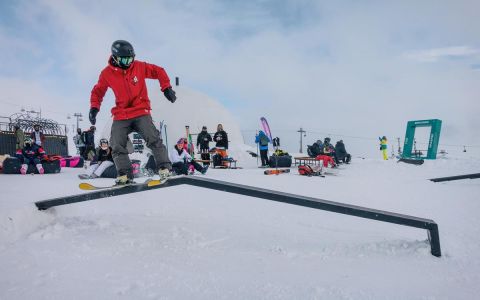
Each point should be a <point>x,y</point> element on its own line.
<point>330,154</point>
<point>29,148</point>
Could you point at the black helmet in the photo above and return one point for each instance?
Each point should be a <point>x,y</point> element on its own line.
<point>123,53</point>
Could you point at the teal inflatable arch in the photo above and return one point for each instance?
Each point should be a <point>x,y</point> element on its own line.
<point>435,125</point>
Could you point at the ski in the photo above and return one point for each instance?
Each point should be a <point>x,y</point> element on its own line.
<point>276,172</point>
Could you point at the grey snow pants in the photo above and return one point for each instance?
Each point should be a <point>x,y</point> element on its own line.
<point>145,127</point>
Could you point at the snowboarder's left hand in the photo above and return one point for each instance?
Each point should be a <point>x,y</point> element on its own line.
<point>93,115</point>
<point>170,94</point>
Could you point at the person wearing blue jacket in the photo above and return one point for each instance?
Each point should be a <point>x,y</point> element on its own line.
<point>262,140</point>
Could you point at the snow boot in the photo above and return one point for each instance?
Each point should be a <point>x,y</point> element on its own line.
<point>40,169</point>
<point>191,170</point>
<point>24,169</point>
<point>164,174</point>
<point>204,170</point>
<point>123,180</point>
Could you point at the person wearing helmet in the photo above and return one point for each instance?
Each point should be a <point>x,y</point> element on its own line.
<point>126,77</point>
<point>31,154</point>
<point>102,160</point>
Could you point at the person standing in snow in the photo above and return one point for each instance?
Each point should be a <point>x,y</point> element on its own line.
<point>221,139</point>
<point>102,160</point>
<point>203,144</point>
<point>79,142</point>
<point>383,147</point>
<point>31,154</point>
<point>89,140</point>
<point>126,77</point>
<point>181,160</point>
<point>19,137</point>
<point>262,140</point>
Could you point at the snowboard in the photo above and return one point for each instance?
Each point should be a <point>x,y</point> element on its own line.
<point>412,161</point>
<point>276,171</point>
<point>90,187</point>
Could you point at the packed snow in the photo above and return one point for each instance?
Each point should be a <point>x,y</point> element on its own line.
<point>186,242</point>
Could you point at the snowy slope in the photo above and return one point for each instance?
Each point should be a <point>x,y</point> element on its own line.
<point>192,243</point>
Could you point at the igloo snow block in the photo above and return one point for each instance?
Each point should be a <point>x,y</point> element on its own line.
<point>12,165</point>
<point>284,161</point>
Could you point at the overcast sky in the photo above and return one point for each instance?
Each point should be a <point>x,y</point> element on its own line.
<point>353,68</point>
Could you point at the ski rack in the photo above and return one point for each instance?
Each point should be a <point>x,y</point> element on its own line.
<point>449,178</point>
<point>347,209</point>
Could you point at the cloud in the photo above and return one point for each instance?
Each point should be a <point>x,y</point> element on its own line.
<point>434,55</point>
<point>335,67</point>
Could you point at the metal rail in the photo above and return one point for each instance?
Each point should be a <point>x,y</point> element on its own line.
<point>352,210</point>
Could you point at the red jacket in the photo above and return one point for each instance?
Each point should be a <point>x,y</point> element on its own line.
<point>131,97</point>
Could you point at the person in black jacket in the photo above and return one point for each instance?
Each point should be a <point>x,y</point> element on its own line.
<point>203,140</point>
<point>101,161</point>
<point>89,140</point>
<point>341,152</point>
<point>221,139</point>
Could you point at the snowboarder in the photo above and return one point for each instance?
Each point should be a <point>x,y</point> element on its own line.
<point>126,77</point>
<point>102,160</point>
<point>182,162</point>
<point>221,139</point>
<point>37,136</point>
<point>262,140</point>
<point>383,147</point>
<point>203,144</point>
<point>31,154</point>
<point>79,142</point>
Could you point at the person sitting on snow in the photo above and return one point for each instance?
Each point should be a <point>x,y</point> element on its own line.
<point>101,161</point>
<point>31,154</point>
<point>342,153</point>
<point>182,161</point>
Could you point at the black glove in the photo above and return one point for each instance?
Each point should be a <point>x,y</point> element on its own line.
<point>93,115</point>
<point>170,94</point>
